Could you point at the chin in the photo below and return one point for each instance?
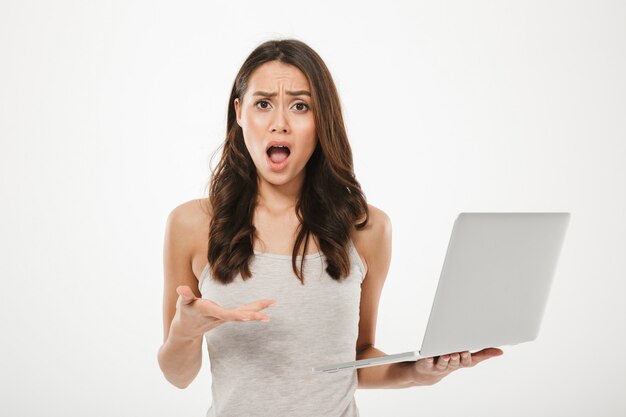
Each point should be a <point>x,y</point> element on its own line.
<point>278,178</point>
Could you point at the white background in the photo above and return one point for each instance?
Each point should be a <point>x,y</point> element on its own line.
<point>110,110</point>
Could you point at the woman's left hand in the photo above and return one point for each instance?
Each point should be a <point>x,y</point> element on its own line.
<point>429,371</point>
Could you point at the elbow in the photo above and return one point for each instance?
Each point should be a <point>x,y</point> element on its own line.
<point>169,377</point>
<point>180,385</point>
<point>177,382</point>
<point>172,380</point>
<point>361,350</point>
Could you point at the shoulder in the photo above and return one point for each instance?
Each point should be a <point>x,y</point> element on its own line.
<point>375,238</point>
<point>379,218</point>
<point>192,210</point>
<point>187,226</point>
<point>188,216</point>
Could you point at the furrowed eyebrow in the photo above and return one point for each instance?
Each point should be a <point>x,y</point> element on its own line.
<point>291,93</point>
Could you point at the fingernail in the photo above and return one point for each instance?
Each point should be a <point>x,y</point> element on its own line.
<point>265,320</point>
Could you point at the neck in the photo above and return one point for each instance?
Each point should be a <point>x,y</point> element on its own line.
<point>279,198</point>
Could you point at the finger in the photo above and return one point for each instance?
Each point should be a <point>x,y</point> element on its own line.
<point>235,314</point>
<point>442,362</point>
<point>253,307</point>
<point>428,363</point>
<point>245,315</point>
<point>466,359</point>
<point>245,312</point>
<point>257,305</point>
<point>187,295</point>
<point>454,360</point>
<point>484,354</point>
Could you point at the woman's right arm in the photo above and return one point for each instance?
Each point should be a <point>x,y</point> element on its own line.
<point>186,315</point>
<point>180,356</point>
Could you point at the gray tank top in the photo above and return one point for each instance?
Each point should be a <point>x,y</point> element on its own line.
<point>264,368</point>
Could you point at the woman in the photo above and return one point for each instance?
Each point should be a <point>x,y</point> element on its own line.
<point>285,183</point>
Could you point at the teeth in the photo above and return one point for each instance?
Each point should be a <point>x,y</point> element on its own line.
<point>278,146</point>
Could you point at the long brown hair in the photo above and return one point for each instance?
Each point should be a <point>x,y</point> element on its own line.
<point>331,201</point>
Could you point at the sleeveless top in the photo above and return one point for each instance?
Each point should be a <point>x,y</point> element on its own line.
<point>264,369</point>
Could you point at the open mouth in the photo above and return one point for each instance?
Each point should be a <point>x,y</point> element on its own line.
<point>278,154</point>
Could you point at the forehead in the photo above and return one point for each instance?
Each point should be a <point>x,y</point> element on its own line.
<point>272,75</point>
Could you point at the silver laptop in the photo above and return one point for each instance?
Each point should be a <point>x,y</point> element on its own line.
<point>493,287</point>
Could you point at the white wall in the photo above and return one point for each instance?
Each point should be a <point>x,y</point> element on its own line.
<point>109,112</point>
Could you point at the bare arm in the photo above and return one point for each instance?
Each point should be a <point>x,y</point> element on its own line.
<point>427,371</point>
<point>376,248</point>
<point>180,360</point>
<point>180,356</point>
<point>186,315</point>
<point>394,375</point>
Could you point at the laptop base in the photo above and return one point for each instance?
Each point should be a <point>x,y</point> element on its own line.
<point>362,363</point>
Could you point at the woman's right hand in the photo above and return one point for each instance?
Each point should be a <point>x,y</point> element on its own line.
<point>196,316</point>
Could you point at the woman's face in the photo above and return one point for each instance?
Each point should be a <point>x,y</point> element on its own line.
<point>276,107</point>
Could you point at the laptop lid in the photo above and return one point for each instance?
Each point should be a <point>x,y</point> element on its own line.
<point>495,281</point>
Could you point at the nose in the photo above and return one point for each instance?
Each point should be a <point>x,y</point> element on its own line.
<point>279,122</point>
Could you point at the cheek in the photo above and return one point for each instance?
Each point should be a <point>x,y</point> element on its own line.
<point>253,133</point>
<point>312,136</point>
<point>253,122</point>
<point>306,131</point>
<point>306,150</point>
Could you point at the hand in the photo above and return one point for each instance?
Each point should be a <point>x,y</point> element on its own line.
<point>196,316</point>
<point>429,371</point>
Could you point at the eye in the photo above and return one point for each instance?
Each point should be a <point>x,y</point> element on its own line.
<point>302,104</point>
<point>264,104</point>
<point>260,102</point>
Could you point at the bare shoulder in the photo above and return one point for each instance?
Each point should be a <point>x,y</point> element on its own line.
<point>188,225</point>
<point>376,234</point>
<point>186,218</point>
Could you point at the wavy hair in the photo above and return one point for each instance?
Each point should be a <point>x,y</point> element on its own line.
<point>331,200</point>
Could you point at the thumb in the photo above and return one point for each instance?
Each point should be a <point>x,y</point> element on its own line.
<point>187,295</point>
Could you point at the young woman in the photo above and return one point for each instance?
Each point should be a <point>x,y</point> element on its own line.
<point>282,266</point>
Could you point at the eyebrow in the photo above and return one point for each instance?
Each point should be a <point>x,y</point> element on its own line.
<point>291,93</point>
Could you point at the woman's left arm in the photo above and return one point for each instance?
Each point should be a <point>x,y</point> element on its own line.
<point>427,371</point>
<point>375,245</point>
<point>394,375</point>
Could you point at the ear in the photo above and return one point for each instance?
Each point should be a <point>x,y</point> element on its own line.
<point>238,111</point>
